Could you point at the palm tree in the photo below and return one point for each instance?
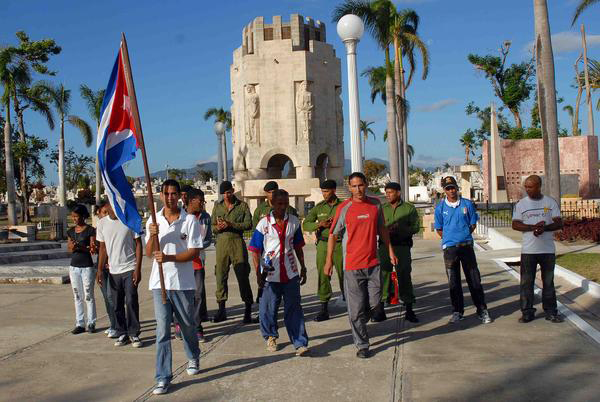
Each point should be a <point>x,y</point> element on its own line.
<point>547,96</point>
<point>468,142</point>
<point>13,74</point>
<point>376,77</point>
<point>223,116</point>
<point>405,39</point>
<point>365,130</point>
<point>377,16</point>
<point>25,97</point>
<point>574,123</point>
<point>581,7</point>
<point>93,101</point>
<point>61,100</point>
<point>410,151</point>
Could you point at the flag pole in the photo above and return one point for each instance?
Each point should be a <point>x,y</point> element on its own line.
<point>140,137</point>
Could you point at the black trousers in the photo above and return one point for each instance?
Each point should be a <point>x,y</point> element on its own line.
<point>529,263</point>
<point>454,257</point>
<point>125,297</point>
<point>200,297</point>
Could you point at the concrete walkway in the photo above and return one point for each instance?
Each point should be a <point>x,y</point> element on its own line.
<point>505,360</point>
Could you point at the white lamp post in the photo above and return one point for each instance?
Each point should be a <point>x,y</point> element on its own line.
<point>220,132</point>
<point>350,29</point>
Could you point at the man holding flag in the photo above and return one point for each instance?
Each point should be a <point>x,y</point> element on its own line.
<point>173,237</point>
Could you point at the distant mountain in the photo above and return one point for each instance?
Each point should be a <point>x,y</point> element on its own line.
<point>191,172</point>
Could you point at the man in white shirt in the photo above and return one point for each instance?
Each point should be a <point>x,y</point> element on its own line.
<point>537,216</point>
<point>179,242</point>
<point>277,237</point>
<point>122,249</point>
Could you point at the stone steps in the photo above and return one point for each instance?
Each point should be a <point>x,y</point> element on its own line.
<point>21,247</point>
<point>16,257</point>
<point>54,271</point>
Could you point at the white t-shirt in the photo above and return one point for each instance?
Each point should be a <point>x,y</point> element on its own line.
<point>120,244</point>
<point>175,238</point>
<point>530,212</point>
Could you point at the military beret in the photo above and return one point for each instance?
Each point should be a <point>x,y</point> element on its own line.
<point>270,186</point>
<point>328,185</point>
<point>393,185</point>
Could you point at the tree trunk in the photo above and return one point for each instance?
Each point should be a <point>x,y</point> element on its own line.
<point>392,138</point>
<point>576,131</point>
<point>10,174</point>
<point>588,94</point>
<point>404,149</point>
<point>225,164</point>
<point>22,167</point>
<point>517,118</point>
<point>547,98</point>
<point>399,111</point>
<point>62,191</point>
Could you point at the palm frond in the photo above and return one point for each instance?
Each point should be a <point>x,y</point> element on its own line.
<point>83,127</point>
<point>581,7</point>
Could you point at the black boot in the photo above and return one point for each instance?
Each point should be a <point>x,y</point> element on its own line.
<point>221,314</point>
<point>248,314</point>
<point>378,313</point>
<point>323,314</point>
<point>410,314</point>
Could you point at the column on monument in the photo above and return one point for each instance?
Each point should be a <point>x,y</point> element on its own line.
<point>304,172</point>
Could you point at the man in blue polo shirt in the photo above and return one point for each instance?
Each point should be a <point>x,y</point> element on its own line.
<point>455,220</point>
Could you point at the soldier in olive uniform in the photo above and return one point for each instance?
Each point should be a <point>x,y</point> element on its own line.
<point>319,220</point>
<point>230,218</point>
<point>265,207</point>
<point>402,221</point>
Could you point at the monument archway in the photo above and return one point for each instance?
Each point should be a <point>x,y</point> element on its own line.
<point>321,165</point>
<point>280,166</point>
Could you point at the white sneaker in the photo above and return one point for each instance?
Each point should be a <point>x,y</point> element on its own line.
<point>112,334</point>
<point>456,317</point>
<point>272,344</point>
<point>193,367</point>
<point>123,340</point>
<point>135,341</point>
<point>161,388</point>
<point>484,316</point>
<point>107,330</point>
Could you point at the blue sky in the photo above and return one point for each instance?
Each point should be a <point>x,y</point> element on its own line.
<point>181,52</point>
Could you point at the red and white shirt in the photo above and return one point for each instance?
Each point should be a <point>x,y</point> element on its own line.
<point>276,244</point>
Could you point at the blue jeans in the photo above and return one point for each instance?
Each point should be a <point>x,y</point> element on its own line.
<point>82,283</point>
<point>293,316</point>
<point>181,304</point>
<point>107,295</point>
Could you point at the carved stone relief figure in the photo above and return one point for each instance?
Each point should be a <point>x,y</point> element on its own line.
<point>233,122</point>
<point>339,115</point>
<point>304,111</point>
<point>252,114</point>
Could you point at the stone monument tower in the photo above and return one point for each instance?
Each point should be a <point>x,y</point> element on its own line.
<point>287,112</point>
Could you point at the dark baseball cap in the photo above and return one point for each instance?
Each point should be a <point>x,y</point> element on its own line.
<point>270,186</point>
<point>449,181</point>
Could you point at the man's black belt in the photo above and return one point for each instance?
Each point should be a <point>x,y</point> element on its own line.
<point>462,244</point>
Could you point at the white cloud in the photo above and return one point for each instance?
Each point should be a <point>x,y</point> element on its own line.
<point>568,41</point>
<point>439,105</point>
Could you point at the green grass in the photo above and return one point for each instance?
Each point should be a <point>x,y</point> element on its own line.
<point>585,264</point>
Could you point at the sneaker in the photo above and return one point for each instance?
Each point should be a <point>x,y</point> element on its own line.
<point>484,316</point>
<point>525,318</point>
<point>178,332</point>
<point>193,367</point>
<point>78,330</point>
<point>136,342</point>
<point>91,328</point>
<point>272,344</point>
<point>161,388</point>
<point>363,353</point>
<point>456,317</point>
<point>555,318</point>
<point>123,340</point>
<point>301,351</point>
<point>112,334</point>
<point>201,337</point>
<point>106,331</point>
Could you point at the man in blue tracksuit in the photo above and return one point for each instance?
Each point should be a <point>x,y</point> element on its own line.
<point>455,220</point>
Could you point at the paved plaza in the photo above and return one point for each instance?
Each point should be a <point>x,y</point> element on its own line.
<point>40,360</point>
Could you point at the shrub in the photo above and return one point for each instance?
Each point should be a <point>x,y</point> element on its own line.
<point>580,229</point>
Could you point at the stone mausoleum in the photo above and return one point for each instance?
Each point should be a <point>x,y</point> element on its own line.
<point>521,158</point>
<point>287,112</point>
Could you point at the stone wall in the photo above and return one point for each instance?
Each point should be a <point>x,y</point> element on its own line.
<point>578,156</point>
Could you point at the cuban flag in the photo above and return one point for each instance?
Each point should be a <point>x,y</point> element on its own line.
<point>117,144</point>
